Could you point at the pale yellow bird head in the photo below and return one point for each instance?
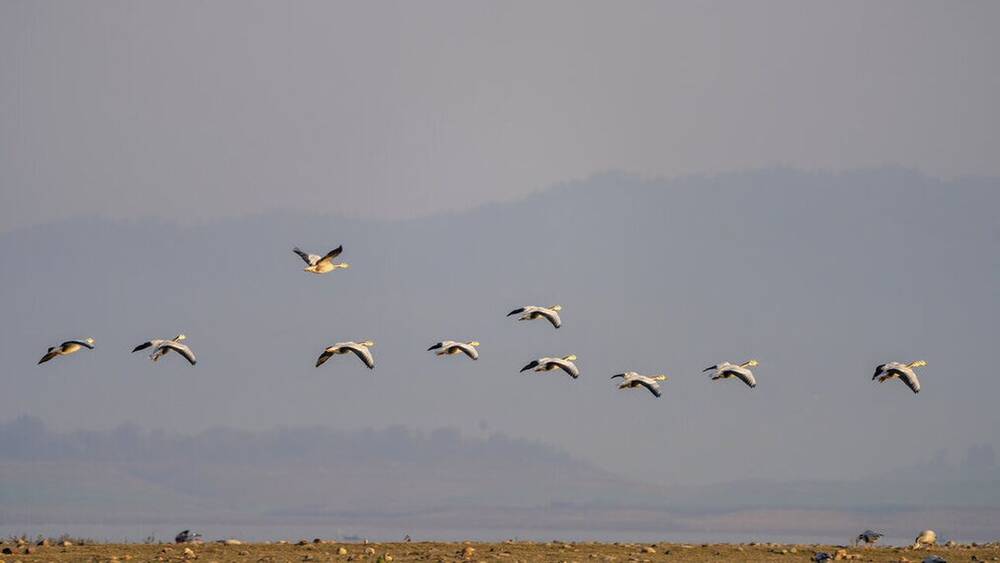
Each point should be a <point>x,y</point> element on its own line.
<point>660,377</point>
<point>89,341</point>
<point>367,343</point>
<point>556,307</point>
<point>473,343</point>
<point>180,337</point>
<point>918,364</point>
<point>752,363</point>
<point>570,358</point>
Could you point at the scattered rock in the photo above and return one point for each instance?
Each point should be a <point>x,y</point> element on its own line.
<point>8,551</point>
<point>232,542</point>
<point>648,549</point>
<point>43,542</point>
<point>468,552</point>
<point>341,551</point>
<point>369,551</point>
<point>951,543</point>
<point>189,553</point>
<point>66,543</point>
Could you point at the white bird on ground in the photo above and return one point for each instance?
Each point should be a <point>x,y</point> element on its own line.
<point>631,379</point>
<point>904,372</point>
<point>361,349</point>
<point>67,348</point>
<point>564,363</point>
<point>450,348</point>
<point>161,347</point>
<point>726,370</point>
<point>322,264</point>
<point>532,312</point>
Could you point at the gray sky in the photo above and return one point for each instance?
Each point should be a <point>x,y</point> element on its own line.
<point>392,110</point>
<point>160,161</point>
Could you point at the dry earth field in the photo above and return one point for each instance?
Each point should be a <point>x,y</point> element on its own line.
<point>507,552</point>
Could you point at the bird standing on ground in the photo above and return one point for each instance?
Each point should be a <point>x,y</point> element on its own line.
<point>726,370</point>
<point>450,348</point>
<point>631,379</point>
<point>532,312</point>
<point>321,264</point>
<point>868,537</point>
<point>67,348</point>
<point>360,349</point>
<point>161,347</point>
<point>904,372</point>
<point>564,363</point>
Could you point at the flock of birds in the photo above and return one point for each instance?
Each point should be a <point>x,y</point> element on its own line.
<point>316,264</point>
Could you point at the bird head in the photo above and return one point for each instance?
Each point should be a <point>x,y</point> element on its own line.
<point>180,337</point>
<point>344,265</point>
<point>473,343</point>
<point>570,358</point>
<point>556,307</point>
<point>367,343</point>
<point>918,364</point>
<point>752,364</point>
<point>89,341</point>
<point>660,377</point>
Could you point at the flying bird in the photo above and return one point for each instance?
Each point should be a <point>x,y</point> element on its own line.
<point>322,264</point>
<point>450,348</point>
<point>360,349</point>
<point>532,312</point>
<point>162,347</point>
<point>726,370</point>
<point>67,348</point>
<point>904,372</point>
<point>631,379</point>
<point>868,537</point>
<point>564,363</point>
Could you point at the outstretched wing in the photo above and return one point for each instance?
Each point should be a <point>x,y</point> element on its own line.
<point>364,354</point>
<point>532,365</point>
<point>307,258</point>
<point>653,388</point>
<point>744,375</point>
<point>621,375</point>
<point>436,346</point>
<point>552,316</point>
<point>332,254</point>
<point>180,349</point>
<point>710,368</point>
<point>878,371</point>
<point>324,357</point>
<point>52,353</point>
<point>142,346</point>
<point>469,350</point>
<point>909,378</point>
<point>83,343</point>
<point>568,367</point>
<point>516,312</point>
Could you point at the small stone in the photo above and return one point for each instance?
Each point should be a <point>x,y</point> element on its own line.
<point>648,549</point>
<point>369,551</point>
<point>66,543</point>
<point>232,542</point>
<point>468,552</point>
<point>189,553</point>
<point>341,551</point>
<point>8,551</point>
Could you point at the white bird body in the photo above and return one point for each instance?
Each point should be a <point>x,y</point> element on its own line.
<point>67,348</point>
<point>564,363</point>
<point>631,380</point>
<point>532,312</point>
<point>360,349</point>
<point>451,347</point>
<point>321,264</point>
<point>161,347</point>
<point>898,370</point>
<point>726,370</point>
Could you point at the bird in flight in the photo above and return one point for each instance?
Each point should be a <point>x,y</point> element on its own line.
<point>360,349</point>
<point>67,348</point>
<point>321,264</point>
<point>631,380</point>
<point>532,312</point>
<point>564,363</point>
<point>904,372</point>
<point>450,348</point>
<point>162,347</point>
<point>726,370</point>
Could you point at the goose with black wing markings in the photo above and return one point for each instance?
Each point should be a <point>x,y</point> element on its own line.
<point>360,349</point>
<point>904,372</point>
<point>451,347</point>
<point>726,370</point>
<point>532,312</point>
<point>564,363</point>
<point>67,348</point>
<point>631,380</point>
<point>162,347</point>
<point>321,264</point>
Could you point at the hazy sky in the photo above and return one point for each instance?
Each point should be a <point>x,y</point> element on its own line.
<point>184,110</point>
